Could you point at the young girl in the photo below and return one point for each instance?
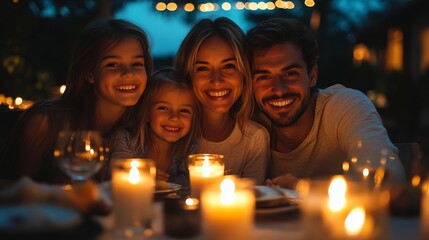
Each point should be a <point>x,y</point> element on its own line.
<point>213,57</point>
<point>168,127</point>
<point>107,76</point>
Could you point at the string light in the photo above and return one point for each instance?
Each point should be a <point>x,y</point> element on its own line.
<point>227,6</point>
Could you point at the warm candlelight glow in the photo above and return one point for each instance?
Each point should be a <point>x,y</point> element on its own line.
<point>18,101</point>
<point>191,201</point>
<point>203,170</point>
<point>228,208</point>
<point>344,209</point>
<point>379,176</point>
<point>87,145</point>
<point>206,167</point>
<point>346,166</point>
<point>132,189</point>
<point>355,221</point>
<point>227,195</point>
<point>337,193</point>
<point>134,176</point>
<point>62,89</point>
<point>85,155</point>
<point>365,172</point>
<point>425,208</point>
<point>415,181</point>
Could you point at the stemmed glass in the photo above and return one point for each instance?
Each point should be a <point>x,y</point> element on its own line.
<point>80,154</point>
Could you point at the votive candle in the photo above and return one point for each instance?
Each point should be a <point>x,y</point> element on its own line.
<point>203,170</point>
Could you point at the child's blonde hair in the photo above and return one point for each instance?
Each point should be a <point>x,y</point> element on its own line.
<point>184,145</point>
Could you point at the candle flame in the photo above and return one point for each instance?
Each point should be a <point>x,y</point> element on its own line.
<point>365,172</point>
<point>415,180</point>
<point>337,193</point>
<point>355,221</point>
<point>87,145</point>
<point>206,167</point>
<point>134,176</point>
<point>134,164</point>
<point>191,201</point>
<point>346,166</point>
<point>379,176</point>
<point>227,195</point>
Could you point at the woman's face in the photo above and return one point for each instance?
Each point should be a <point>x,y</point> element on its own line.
<point>171,113</point>
<point>216,80</point>
<point>120,77</point>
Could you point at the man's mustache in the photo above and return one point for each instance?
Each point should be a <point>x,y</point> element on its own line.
<point>277,97</point>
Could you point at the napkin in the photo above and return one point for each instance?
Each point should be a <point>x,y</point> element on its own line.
<point>84,197</point>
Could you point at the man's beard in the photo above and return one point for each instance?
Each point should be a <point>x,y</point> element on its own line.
<point>292,119</point>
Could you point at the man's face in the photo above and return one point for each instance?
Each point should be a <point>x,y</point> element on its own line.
<point>282,83</point>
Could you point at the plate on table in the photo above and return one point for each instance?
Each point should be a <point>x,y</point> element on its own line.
<point>37,218</point>
<point>275,199</point>
<point>170,188</point>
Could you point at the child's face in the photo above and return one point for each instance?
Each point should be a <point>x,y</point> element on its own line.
<point>120,78</point>
<point>171,114</point>
<point>216,80</point>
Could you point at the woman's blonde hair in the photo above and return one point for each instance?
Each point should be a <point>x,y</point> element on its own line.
<point>231,33</point>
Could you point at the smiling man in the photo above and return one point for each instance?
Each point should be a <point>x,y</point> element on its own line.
<point>313,131</point>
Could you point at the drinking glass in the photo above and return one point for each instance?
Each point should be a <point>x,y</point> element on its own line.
<point>80,154</point>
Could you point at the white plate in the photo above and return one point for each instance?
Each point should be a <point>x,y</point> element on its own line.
<point>35,217</point>
<point>270,194</point>
<point>172,187</point>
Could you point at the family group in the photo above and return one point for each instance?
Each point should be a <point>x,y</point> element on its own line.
<point>250,96</point>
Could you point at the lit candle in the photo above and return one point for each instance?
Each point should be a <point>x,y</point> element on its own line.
<point>203,170</point>
<point>353,212</point>
<point>228,209</point>
<point>182,217</point>
<point>132,189</point>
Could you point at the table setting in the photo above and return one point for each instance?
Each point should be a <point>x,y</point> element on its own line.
<point>134,205</point>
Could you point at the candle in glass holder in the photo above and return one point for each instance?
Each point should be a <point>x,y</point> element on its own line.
<point>182,217</point>
<point>133,184</point>
<point>340,209</point>
<point>228,209</point>
<point>203,170</point>
<point>353,211</point>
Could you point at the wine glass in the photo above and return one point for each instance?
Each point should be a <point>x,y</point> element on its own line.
<point>80,154</point>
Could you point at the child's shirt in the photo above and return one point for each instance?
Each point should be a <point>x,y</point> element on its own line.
<point>179,174</point>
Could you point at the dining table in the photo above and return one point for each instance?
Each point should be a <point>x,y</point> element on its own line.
<point>273,226</point>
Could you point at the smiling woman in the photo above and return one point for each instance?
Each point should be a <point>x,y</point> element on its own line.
<point>213,59</point>
<point>107,76</point>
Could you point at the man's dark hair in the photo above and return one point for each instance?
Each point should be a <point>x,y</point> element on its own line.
<point>278,30</point>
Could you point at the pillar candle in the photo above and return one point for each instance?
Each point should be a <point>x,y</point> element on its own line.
<point>132,190</point>
<point>228,209</point>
